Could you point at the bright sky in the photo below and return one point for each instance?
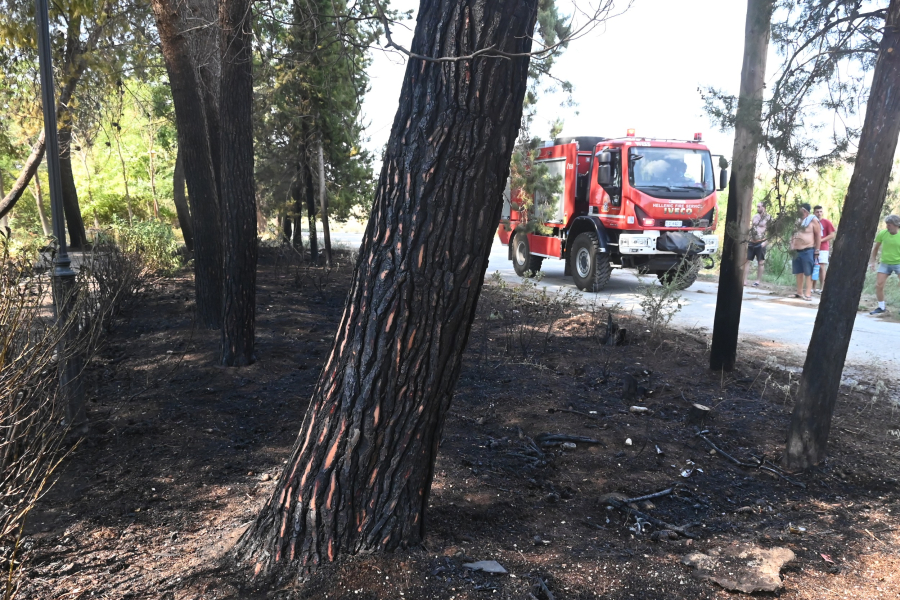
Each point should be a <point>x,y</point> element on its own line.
<point>641,70</point>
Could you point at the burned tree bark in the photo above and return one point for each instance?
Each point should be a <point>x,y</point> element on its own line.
<point>238,188</point>
<point>181,204</point>
<point>74,221</point>
<point>361,470</point>
<point>811,420</point>
<point>747,135</point>
<point>193,141</point>
<point>323,202</point>
<point>310,196</point>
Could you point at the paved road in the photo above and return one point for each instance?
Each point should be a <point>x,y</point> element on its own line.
<point>765,317</point>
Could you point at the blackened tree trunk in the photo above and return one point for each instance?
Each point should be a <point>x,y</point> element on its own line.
<point>238,188</point>
<point>181,204</point>
<point>206,46</point>
<point>310,195</point>
<point>747,135</point>
<point>811,420</point>
<point>4,221</point>
<point>323,201</point>
<point>295,218</point>
<point>286,229</point>
<point>360,473</point>
<point>193,141</point>
<point>74,221</point>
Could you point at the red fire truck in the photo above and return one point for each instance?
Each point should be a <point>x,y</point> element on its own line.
<point>631,202</point>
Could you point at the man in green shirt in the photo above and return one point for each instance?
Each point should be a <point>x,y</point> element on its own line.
<point>888,242</point>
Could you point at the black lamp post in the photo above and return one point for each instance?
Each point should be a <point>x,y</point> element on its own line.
<point>70,362</point>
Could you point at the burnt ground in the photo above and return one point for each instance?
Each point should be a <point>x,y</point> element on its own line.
<point>182,454</point>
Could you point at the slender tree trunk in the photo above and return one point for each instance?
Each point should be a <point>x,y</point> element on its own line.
<point>74,68</point>
<point>747,135</point>
<point>297,217</point>
<point>286,229</point>
<point>42,212</point>
<point>323,202</point>
<point>74,220</point>
<point>152,169</point>
<point>261,223</point>
<point>193,140</point>
<point>4,220</point>
<point>124,174</point>
<point>206,44</point>
<point>361,470</point>
<point>28,170</point>
<point>238,187</point>
<point>311,212</point>
<point>181,204</point>
<point>811,420</point>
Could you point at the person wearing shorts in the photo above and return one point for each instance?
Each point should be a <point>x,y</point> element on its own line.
<point>805,245</point>
<point>756,246</point>
<point>828,234</point>
<point>888,241</point>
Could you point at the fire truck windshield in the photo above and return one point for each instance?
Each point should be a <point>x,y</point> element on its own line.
<point>671,172</point>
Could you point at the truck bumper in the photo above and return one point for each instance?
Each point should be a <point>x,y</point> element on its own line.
<point>644,244</point>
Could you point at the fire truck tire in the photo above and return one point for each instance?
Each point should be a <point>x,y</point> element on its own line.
<point>686,274</point>
<point>523,261</point>
<point>590,267</point>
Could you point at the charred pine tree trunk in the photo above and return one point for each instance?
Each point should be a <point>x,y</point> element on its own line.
<point>747,135</point>
<point>181,204</point>
<point>323,201</point>
<point>310,196</point>
<point>361,470</point>
<point>206,45</point>
<point>287,229</point>
<point>295,218</point>
<point>193,141</point>
<point>74,221</point>
<point>4,221</point>
<point>238,187</point>
<point>811,420</point>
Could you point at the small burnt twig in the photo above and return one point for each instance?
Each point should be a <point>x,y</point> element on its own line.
<point>545,589</point>
<point>746,465</point>
<point>665,492</point>
<point>574,412</point>
<point>555,439</point>
<point>623,506</point>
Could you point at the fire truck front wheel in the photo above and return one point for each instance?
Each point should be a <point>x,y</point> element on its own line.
<point>590,266</point>
<point>523,261</point>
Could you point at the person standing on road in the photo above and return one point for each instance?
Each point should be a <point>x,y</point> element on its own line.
<point>756,246</point>
<point>828,233</point>
<point>888,242</point>
<point>805,245</point>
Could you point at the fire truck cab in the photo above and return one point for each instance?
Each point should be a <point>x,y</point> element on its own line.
<point>631,202</point>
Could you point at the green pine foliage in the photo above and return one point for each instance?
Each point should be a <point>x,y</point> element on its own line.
<point>312,66</point>
<point>538,191</point>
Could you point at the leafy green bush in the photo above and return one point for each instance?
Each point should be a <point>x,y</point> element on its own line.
<point>152,240</point>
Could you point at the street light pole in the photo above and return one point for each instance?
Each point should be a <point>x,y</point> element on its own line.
<point>70,363</point>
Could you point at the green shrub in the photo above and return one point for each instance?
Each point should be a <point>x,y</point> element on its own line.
<point>152,240</point>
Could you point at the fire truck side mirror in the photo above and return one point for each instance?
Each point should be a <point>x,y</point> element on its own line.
<point>604,174</point>
<point>723,179</point>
